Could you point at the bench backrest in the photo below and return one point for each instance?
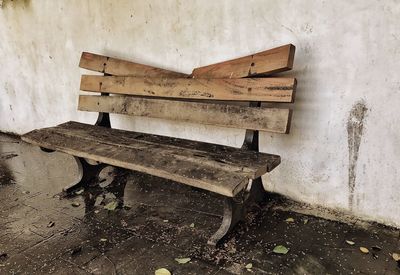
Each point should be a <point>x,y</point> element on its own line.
<point>204,97</point>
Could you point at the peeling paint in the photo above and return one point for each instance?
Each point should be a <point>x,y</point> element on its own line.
<point>355,126</point>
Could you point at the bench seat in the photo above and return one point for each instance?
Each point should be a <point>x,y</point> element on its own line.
<point>216,168</point>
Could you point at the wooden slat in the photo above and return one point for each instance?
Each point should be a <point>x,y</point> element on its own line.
<point>114,66</point>
<point>245,89</point>
<point>264,119</point>
<point>217,168</point>
<point>264,63</point>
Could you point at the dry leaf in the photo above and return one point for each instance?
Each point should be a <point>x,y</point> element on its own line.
<point>305,221</point>
<point>280,249</point>
<point>182,260</point>
<point>165,221</point>
<point>162,271</point>
<point>396,257</point>
<point>350,242</point>
<point>111,206</point>
<point>289,220</point>
<point>192,225</point>
<point>79,192</point>
<point>364,250</point>
<point>249,266</point>
<point>103,240</point>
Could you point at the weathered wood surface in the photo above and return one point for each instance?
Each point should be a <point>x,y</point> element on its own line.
<point>114,66</point>
<point>220,169</point>
<point>264,63</point>
<point>264,119</point>
<point>245,89</point>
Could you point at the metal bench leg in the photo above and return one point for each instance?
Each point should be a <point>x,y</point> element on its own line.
<point>88,175</point>
<point>235,211</point>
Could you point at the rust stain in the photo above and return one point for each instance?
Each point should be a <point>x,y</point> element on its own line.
<point>355,126</point>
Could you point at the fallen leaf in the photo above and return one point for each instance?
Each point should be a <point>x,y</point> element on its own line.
<point>162,271</point>
<point>51,224</point>
<point>364,250</point>
<point>165,221</point>
<point>192,225</point>
<point>289,220</point>
<point>182,260</point>
<point>111,206</point>
<point>75,204</point>
<point>280,249</point>
<point>305,221</point>
<point>396,257</point>
<point>96,211</point>
<point>249,266</point>
<point>103,240</point>
<point>79,192</point>
<point>350,242</point>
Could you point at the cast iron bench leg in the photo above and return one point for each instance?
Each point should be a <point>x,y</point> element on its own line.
<point>88,174</point>
<point>235,211</point>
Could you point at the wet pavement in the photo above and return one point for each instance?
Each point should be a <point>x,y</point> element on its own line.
<point>145,225</point>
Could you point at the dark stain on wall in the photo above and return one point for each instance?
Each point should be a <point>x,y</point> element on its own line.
<point>355,126</point>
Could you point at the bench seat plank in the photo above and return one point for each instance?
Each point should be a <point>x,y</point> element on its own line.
<point>220,169</point>
<point>242,89</point>
<point>264,119</point>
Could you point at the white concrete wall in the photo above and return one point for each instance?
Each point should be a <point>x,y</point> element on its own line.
<point>347,64</point>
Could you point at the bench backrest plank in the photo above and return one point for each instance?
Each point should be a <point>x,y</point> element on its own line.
<point>114,66</point>
<point>264,63</point>
<point>242,89</point>
<point>264,119</point>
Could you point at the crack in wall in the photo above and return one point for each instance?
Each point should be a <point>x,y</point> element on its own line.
<point>355,126</point>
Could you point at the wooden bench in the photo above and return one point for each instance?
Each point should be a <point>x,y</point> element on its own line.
<point>204,97</point>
